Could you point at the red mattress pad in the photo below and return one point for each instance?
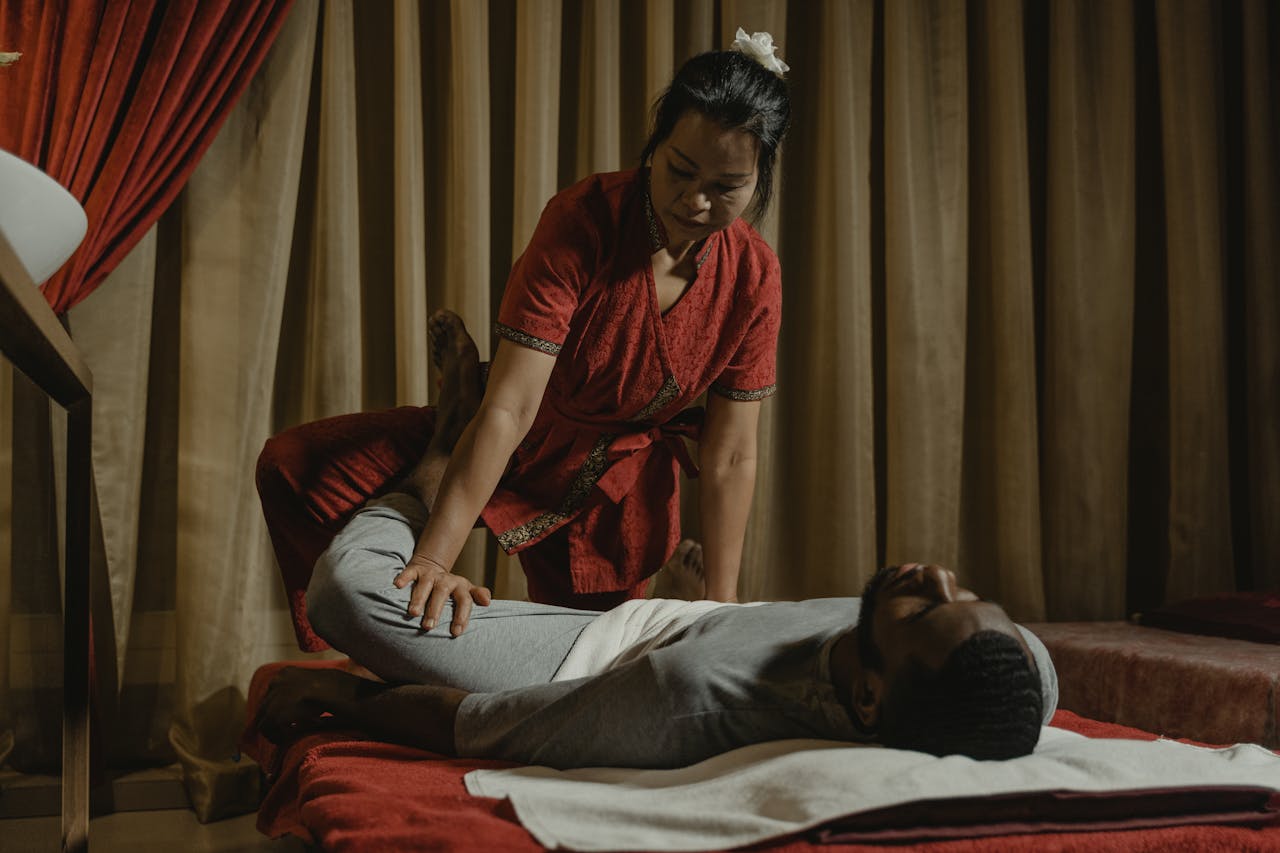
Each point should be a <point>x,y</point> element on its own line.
<point>345,794</point>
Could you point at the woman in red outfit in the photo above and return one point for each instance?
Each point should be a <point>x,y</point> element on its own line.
<point>639,291</point>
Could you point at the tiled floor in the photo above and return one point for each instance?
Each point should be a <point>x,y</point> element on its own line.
<point>147,832</point>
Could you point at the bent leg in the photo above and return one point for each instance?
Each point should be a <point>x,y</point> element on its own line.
<point>356,607</point>
<point>311,478</point>
<point>301,700</point>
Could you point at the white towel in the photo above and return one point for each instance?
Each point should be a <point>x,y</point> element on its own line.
<point>629,630</point>
<point>774,789</point>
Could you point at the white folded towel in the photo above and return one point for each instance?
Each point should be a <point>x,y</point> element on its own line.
<point>774,789</point>
<point>631,629</point>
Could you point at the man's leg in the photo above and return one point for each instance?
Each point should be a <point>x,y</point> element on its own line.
<point>455,355</point>
<point>357,608</point>
<point>312,477</point>
<point>300,701</point>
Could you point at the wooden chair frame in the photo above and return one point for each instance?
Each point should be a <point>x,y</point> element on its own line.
<point>36,343</point>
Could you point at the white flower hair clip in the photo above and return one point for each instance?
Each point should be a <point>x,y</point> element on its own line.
<point>760,47</point>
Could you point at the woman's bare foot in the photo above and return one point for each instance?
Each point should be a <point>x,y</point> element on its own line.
<point>681,576</point>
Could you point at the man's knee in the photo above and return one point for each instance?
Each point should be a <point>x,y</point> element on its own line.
<point>348,600</point>
<point>325,603</point>
<point>334,601</point>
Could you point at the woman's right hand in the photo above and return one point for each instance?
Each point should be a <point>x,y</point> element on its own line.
<point>433,584</point>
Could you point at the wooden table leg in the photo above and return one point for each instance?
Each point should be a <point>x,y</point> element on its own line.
<point>76,650</point>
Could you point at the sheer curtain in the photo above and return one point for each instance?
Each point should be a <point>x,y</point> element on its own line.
<point>1029,284</point>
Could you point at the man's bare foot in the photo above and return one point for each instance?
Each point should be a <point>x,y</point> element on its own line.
<point>302,700</point>
<point>681,576</point>
<point>458,360</point>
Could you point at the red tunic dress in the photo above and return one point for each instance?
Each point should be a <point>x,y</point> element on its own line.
<point>602,459</point>
<point>590,501</point>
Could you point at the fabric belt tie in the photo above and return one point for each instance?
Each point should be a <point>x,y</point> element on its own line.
<point>628,454</point>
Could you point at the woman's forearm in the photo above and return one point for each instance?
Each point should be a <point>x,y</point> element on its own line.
<point>726,490</point>
<point>475,467</point>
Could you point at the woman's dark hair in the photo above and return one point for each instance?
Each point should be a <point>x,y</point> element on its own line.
<point>984,702</point>
<point>735,92</point>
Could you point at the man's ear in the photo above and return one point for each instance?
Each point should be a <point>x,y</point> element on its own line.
<point>868,691</point>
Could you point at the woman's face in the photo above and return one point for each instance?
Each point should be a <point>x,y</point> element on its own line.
<point>703,177</point>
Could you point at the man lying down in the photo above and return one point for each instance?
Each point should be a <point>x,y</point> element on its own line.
<point>918,663</point>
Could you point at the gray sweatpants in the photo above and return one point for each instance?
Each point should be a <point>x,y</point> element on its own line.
<point>353,604</point>
<point>738,675</point>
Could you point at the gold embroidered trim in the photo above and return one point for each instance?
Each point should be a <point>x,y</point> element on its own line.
<point>655,234</point>
<point>705,254</point>
<point>526,339</point>
<point>669,391</point>
<point>743,396</point>
<point>588,475</point>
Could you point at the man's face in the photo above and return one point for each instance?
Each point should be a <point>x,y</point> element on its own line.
<point>920,612</point>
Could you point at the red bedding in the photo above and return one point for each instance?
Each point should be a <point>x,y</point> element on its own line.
<point>1242,615</point>
<point>348,794</point>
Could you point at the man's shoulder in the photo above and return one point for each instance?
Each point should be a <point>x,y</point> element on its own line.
<point>834,604</point>
<point>786,621</point>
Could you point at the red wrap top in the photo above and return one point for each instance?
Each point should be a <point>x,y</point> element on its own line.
<point>604,452</point>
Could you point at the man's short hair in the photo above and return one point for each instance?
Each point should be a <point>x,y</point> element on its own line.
<point>983,702</point>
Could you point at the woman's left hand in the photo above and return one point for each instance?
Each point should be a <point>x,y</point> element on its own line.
<point>433,585</point>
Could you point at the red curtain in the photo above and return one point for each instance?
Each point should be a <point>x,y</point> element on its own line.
<point>117,100</point>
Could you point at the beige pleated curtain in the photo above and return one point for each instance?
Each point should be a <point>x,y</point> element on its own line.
<point>1030,300</point>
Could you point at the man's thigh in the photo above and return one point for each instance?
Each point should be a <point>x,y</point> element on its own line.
<point>506,645</point>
